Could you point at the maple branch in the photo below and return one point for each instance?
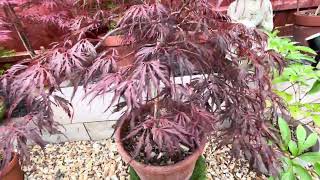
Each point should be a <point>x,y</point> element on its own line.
<point>122,28</point>
<point>9,11</point>
<point>156,101</point>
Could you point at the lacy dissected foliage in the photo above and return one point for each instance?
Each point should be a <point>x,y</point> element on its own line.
<point>229,97</point>
<point>78,17</point>
<point>29,85</point>
<point>231,92</point>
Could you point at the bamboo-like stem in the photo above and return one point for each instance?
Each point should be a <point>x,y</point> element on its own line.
<point>10,13</point>
<point>156,101</point>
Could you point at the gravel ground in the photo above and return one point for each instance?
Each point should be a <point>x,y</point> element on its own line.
<point>85,160</point>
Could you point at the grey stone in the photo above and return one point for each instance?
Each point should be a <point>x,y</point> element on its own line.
<point>252,13</point>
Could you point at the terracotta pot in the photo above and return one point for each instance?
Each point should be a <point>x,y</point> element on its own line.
<point>302,19</point>
<point>13,170</point>
<point>179,171</point>
<point>115,41</point>
<point>305,26</point>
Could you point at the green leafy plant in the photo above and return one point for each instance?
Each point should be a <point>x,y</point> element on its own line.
<point>3,108</point>
<point>298,162</point>
<point>200,170</point>
<point>289,49</point>
<point>4,52</point>
<point>109,4</point>
<point>299,79</point>
<point>4,68</point>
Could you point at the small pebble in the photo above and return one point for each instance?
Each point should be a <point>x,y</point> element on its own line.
<point>99,160</point>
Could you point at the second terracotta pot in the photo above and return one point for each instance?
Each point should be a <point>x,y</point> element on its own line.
<point>305,26</point>
<point>13,170</point>
<point>179,171</point>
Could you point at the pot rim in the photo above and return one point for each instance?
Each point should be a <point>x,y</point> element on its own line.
<point>306,20</point>
<point>313,36</point>
<point>116,41</point>
<point>10,165</point>
<point>303,15</point>
<point>151,168</point>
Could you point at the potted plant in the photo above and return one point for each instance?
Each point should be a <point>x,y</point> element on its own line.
<point>167,118</point>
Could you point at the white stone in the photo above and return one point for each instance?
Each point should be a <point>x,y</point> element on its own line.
<point>252,13</point>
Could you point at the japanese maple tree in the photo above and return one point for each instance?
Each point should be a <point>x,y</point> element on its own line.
<point>229,97</point>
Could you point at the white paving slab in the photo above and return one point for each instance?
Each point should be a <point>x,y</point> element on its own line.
<point>72,132</point>
<point>83,111</point>
<point>90,122</point>
<point>314,98</point>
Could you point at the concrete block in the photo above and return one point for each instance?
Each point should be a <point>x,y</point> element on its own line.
<point>100,130</point>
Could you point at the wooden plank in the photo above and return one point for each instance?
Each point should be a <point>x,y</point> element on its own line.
<point>280,5</point>
<point>17,56</point>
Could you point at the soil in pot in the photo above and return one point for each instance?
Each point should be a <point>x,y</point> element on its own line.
<point>13,170</point>
<point>160,158</point>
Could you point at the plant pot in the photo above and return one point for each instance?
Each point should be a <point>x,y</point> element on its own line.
<point>117,40</point>
<point>13,170</point>
<point>305,26</point>
<point>179,171</point>
<point>314,43</point>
